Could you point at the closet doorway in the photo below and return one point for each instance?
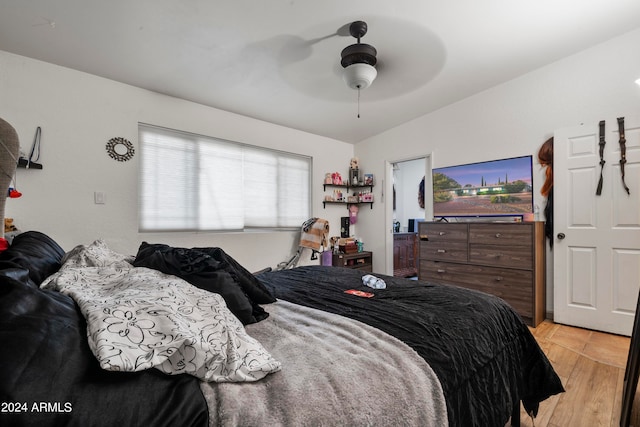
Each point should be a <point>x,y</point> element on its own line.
<point>406,177</point>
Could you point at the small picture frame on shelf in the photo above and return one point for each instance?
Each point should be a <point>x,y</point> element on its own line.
<point>368,179</point>
<point>354,176</point>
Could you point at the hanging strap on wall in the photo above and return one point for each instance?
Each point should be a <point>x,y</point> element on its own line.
<point>602,143</point>
<point>35,147</point>
<point>623,151</point>
<point>34,153</point>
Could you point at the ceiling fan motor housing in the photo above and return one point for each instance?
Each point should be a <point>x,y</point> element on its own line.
<point>359,53</point>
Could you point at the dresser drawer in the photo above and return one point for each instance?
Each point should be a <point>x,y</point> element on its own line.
<point>513,286</point>
<point>443,251</point>
<point>435,232</point>
<point>443,272</point>
<point>501,256</point>
<point>501,234</point>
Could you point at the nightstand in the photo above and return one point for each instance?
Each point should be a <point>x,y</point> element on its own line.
<point>357,260</point>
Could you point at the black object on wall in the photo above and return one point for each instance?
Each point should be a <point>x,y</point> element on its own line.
<point>344,226</point>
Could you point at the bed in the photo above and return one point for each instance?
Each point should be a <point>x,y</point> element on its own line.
<point>282,348</point>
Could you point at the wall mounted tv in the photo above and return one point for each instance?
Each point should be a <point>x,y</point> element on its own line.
<point>494,188</point>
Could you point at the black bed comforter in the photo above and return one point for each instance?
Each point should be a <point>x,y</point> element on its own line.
<point>484,355</point>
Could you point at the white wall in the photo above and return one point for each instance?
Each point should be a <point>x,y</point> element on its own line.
<point>512,119</point>
<point>79,113</point>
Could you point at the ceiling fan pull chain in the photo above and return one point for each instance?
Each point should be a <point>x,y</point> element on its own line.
<point>358,102</point>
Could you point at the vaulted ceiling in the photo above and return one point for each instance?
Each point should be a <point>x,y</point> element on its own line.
<point>279,60</point>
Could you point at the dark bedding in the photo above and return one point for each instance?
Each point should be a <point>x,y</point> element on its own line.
<point>48,375</point>
<point>483,355</point>
<point>482,352</point>
<point>213,270</point>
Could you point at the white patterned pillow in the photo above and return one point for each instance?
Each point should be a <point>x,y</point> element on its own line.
<point>138,318</point>
<point>97,254</point>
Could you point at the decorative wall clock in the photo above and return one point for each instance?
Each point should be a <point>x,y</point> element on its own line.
<point>120,149</point>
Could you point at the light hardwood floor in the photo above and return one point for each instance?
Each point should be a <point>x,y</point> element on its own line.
<point>591,365</point>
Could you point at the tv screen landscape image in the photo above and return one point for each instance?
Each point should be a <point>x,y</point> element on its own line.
<point>494,188</point>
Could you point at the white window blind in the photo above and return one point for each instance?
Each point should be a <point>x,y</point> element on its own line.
<point>194,182</point>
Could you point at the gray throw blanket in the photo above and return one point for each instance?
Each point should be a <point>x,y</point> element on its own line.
<point>335,372</point>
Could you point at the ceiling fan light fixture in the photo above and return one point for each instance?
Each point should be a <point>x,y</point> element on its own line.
<point>359,75</point>
<point>359,60</point>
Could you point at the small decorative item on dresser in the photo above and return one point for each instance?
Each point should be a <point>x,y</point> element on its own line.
<point>348,245</point>
<point>326,258</point>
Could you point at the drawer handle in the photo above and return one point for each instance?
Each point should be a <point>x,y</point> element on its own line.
<point>497,255</point>
<point>441,271</point>
<point>499,279</point>
<point>442,233</point>
<point>441,251</point>
<point>498,235</point>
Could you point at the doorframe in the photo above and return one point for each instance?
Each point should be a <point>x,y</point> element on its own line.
<point>388,211</point>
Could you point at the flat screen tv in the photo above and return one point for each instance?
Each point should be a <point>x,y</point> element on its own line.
<point>494,188</point>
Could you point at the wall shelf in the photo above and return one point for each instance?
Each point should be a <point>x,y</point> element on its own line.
<point>324,203</point>
<point>347,187</point>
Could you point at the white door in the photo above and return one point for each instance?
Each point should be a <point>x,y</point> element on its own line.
<point>596,249</point>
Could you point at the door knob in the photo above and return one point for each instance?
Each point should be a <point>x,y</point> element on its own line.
<point>561,236</point>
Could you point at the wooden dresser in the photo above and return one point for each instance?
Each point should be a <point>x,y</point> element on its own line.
<point>501,258</point>
<point>405,254</point>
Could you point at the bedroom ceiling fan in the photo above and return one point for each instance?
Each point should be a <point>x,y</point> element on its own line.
<point>359,60</point>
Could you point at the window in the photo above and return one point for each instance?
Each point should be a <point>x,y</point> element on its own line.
<point>195,182</point>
